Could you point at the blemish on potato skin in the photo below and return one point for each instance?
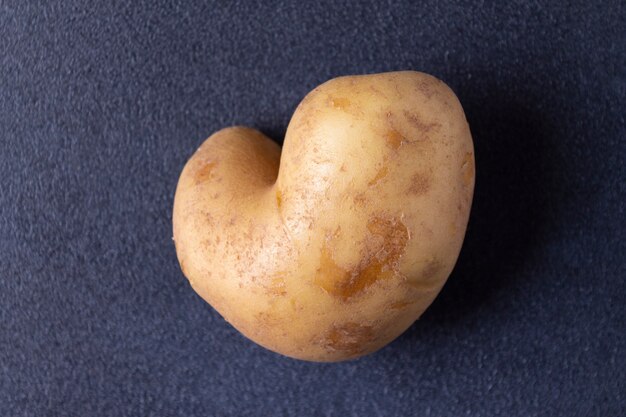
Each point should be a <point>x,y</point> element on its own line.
<point>328,272</point>
<point>203,172</point>
<point>382,173</point>
<point>385,244</point>
<point>426,88</point>
<point>431,269</point>
<point>377,92</point>
<point>276,287</point>
<point>349,338</point>
<point>279,199</point>
<point>415,121</point>
<point>420,184</point>
<point>429,272</point>
<point>468,169</point>
<point>359,199</point>
<point>394,139</point>
<point>340,103</point>
<point>399,305</point>
<point>265,319</point>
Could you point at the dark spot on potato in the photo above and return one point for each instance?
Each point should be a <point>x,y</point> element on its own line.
<point>350,338</point>
<point>420,184</point>
<point>385,244</point>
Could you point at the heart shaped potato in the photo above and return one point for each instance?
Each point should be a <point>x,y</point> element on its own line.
<point>332,248</point>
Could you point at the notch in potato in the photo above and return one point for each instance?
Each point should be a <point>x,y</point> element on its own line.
<point>331,248</point>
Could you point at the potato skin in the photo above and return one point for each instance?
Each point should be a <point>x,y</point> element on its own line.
<point>339,251</point>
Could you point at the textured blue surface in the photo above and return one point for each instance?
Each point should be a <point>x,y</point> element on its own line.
<point>101,103</point>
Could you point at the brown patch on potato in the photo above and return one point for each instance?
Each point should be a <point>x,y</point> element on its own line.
<point>399,305</point>
<point>431,269</point>
<point>426,88</point>
<point>424,281</point>
<point>420,184</point>
<point>267,320</point>
<point>382,173</point>
<point>383,248</point>
<point>349,338</point>
<point>394,139</point>
<point>203,172</point>
<point>340,103</point>
<point>377,92</point>
<point>452,228</point>
<point>279,199</point>
<point>468,169</point>
<point>359,199</point>
<point>276,287</point>
<point>407,124</point>
<point>329,274</point>
<point>415,121</point>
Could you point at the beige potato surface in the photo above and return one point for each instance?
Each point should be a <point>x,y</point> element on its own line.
<point>331,249</point>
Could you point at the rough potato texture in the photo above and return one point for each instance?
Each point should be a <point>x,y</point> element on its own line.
<point>333,248</point>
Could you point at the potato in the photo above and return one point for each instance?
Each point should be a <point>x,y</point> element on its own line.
<point>332,248</point>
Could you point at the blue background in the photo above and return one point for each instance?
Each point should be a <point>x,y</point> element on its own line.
<point>101,103</point>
